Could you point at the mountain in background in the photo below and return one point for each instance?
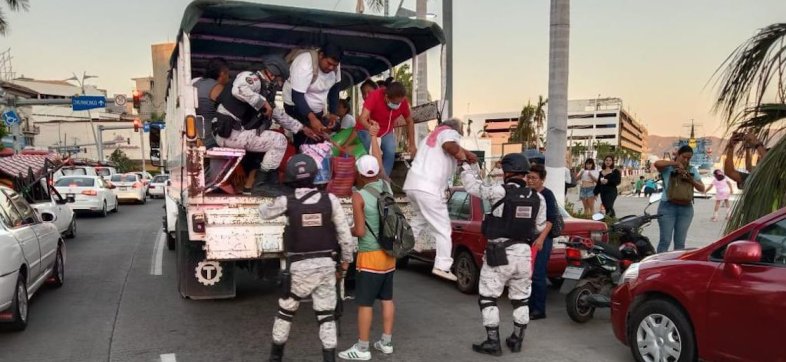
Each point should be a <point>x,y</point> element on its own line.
<point>661,144</point>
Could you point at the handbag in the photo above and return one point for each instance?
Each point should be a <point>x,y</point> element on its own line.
<point>343,168</point>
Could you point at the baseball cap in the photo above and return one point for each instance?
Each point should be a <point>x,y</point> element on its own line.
<point>367,166</point>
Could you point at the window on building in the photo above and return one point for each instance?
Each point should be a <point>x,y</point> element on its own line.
<point>604,137</point>
<point>612,125</point>
<point>581,126</point>
<point>601,115</point>
<point>574,116</point>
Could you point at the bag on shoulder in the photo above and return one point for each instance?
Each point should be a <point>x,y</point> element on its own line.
<point>395,236</point>
<point>680,190</point>
<point>557,227</point>
<point>314,52</point>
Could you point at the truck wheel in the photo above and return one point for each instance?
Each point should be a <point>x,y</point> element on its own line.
<point>467,273</point>
<point>660,328</point>
<point>19,306</point>
<point>577,306</point>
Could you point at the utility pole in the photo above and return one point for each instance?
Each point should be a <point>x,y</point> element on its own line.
<point>99,147</point>
<point>142,147</point>
<point>447,26</point>
<point>556,145</point>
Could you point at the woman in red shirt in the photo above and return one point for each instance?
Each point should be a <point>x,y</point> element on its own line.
<point>383,106</point>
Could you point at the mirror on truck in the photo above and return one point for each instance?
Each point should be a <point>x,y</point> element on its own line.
<point>155,157</point>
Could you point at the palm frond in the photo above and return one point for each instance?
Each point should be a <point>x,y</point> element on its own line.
<point>765,189</point>
<point>750,70</point>
<point>17,5</point>
<point>766,121</point>
<point>376,5</point>
<point>3,23</point>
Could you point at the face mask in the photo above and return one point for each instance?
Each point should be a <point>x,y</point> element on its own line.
<point>394,106</point>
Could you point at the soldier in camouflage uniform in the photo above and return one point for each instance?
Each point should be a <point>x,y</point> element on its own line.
<point>517,215</point>
<point>316,228</point>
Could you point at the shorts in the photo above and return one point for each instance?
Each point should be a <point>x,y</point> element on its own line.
<point>587,193</point>
<point>372,286</point>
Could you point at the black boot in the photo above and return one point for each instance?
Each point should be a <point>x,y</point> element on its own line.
<point>515,339</point>
<point>329,355</point>
<point>491,345</point>
<point>276,352</point>
<point>266,184</point>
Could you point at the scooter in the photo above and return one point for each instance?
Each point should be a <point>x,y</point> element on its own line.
<point>594,268</point>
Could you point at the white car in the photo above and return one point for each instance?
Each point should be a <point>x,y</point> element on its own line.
<point>89,193</point>
<point>156,188</point>
<point>31,253</point>
<point>74,171</point>
<point>106,172</point>
<point>129,187</point>
<point>64,215</point>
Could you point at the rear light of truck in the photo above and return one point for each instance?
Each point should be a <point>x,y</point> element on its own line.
<point>89,192</point>
<point>191,128</point>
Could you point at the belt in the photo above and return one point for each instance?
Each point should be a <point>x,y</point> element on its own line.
<point>293,258</point>
<point>509,243</point>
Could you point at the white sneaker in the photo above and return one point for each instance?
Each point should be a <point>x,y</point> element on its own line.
<point>382,347</point>
<point>444,274</point>
<point>354,354</point>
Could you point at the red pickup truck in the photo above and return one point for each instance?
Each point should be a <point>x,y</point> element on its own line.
<point>466,214</point>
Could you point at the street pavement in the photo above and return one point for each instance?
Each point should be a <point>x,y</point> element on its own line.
<point>114,307</point>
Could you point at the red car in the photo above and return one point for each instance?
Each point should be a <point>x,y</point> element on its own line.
<point>466,214</point>
<point>723,302</point>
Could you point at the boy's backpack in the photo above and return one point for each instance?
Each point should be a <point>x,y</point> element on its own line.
<point>395,236</point>
<point>680,191</point>
<point>314,52</point>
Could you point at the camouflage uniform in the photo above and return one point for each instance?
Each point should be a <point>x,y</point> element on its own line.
<point>516,275</point>
<point>315,277</point>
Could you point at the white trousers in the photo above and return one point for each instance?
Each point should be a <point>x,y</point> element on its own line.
<point>432,210</point>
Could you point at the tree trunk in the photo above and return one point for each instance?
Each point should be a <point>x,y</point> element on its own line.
<point>556,137</point>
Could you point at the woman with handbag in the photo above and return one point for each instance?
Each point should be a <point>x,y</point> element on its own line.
<point>676,206</point>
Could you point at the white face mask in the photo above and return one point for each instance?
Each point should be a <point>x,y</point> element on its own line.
<point>393,106</point>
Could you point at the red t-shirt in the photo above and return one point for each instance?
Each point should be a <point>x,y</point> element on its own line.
<point>381,113</point>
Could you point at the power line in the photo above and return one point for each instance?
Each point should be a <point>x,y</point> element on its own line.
<point>335,6</point>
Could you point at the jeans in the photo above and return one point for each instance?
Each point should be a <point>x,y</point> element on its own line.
<point>388,148</point>
<point>674,221</point>
<point>537,301</point>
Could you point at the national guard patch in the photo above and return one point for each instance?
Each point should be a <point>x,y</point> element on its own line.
<point>311,220</point>
<point>524,212</point>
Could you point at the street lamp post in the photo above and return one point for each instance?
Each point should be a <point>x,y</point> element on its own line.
<point>99,147</point>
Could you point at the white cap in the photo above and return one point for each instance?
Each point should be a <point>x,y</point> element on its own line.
<point>367,166</point>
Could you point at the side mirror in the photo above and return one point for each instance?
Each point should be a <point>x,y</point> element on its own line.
<point>598,217</point>
<point>742,252</point>
<point>48,216</point>
<point>61,201</point>
<point>70,199</point>
<point>655,198</point>
<point>155,157</point>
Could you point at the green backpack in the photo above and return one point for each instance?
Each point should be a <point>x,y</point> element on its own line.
<point>395,236</point>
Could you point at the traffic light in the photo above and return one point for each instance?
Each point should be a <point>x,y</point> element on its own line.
<point>137,124</point>
<point>137,100</point>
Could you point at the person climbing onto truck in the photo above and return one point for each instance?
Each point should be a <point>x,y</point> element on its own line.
<point>316,227</point>
<point>245,113</point>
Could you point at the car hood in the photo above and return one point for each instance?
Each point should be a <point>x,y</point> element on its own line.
<point>671,255</point>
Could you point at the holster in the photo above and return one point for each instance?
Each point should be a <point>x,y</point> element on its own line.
<point>286,281</point>
<point>496,254</point>
<point>223,125</point>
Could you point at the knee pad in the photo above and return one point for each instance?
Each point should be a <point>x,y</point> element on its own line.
<point>286,314</point>
<point>518,303</point>
<point>324,316</point>
<point>486,302</point>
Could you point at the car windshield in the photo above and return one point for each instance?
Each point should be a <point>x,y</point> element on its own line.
<point>123,178</point>
<point>74,171</point>
<point>76,182</point>
<point>103,171</point>
<point>160,179</point>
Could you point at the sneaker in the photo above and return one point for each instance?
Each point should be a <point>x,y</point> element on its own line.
<point>382,347</point>
<point>444,274</point>
<point>354,354</point>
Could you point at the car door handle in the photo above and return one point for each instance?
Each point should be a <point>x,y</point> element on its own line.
<point>459,227</point>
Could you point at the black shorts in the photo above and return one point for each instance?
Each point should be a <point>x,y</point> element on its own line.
<point>372,286</point>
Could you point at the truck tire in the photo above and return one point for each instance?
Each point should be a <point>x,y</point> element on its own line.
<point>467,272</point>
<point>577,306</point>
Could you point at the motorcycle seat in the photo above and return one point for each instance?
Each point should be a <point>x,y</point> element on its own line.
<point>609,249</point>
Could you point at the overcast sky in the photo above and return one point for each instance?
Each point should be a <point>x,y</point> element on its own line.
<point>658,56</point>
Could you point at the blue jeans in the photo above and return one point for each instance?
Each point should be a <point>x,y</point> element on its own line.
<point>674,221</point>
<point>388,148</point>
<point>537,300</point>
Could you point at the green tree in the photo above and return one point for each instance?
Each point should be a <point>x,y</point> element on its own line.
<point>752,98</point>
<point>124,164</point>
<point>3,133</point>
<point>403,75</point>
<point>14,5</point>
<point>602,149</point>
<point>530,122</point>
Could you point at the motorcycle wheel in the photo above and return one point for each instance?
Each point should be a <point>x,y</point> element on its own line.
<point>577,306</point>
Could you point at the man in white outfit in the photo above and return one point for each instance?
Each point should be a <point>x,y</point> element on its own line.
<point>427,182</point>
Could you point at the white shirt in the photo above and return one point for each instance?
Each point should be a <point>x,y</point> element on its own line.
<point>585,175</point>
<point>347,122</point>
<point>301,72</point>
<point>433,168</point>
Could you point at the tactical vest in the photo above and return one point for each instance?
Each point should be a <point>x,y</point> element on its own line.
<point>310,226</point>
<point>249,117</point>
<point>520,208</point>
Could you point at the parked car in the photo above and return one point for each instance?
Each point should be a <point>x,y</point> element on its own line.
<point>723,302</point>
<point>74,171</point>
<point>129,186</point>
<point>466,214</point>
<point>105,171</point>
<point>157,185</point>
<point>90,193</point>
<point>31,253</point>
<point>64,216</point>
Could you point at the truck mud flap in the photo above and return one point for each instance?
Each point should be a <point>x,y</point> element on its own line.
<point>199,278</point>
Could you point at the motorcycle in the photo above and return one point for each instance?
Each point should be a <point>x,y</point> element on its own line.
<point>595,268</point>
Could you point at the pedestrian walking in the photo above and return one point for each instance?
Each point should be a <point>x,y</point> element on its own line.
<point>723,188</point>
<point>608,181</point>
<point>588,177</point>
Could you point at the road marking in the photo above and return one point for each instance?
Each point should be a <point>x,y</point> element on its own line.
<point>169,357</point>
<point>158,256</point>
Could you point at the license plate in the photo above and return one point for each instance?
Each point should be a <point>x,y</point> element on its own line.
<point>573,272</point>
<point>123,188</point>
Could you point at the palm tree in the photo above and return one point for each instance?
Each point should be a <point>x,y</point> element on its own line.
<point>380,6</point>
<point>14,5</point>
<point>525,130</point>
<point>557,141</point>
<point>539,117</point>
<point>749,79</point>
